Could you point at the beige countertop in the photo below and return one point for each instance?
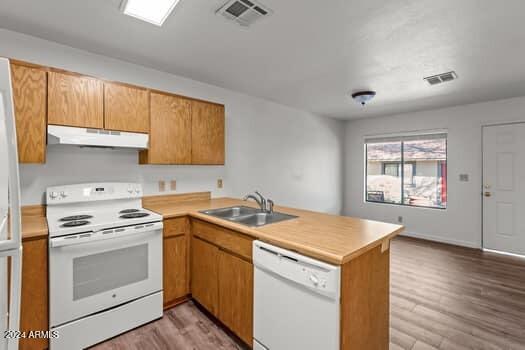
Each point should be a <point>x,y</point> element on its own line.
<point>331,238</point>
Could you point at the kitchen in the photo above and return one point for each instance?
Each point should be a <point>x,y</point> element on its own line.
<point>116,151</point>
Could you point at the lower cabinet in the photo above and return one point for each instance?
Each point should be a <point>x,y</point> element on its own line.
<point>236,295</point>
<point>34,298</point>
<point>222,276</point>
<point>204,274</point>
<point>175,269</point>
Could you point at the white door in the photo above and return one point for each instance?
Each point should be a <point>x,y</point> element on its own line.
<point>504,188</point>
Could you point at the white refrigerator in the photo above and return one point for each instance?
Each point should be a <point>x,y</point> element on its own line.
<point>10,220</point>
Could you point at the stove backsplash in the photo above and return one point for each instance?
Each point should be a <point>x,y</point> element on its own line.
<point>71,165</point>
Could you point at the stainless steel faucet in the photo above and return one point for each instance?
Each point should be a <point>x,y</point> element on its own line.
<point>266,205</point>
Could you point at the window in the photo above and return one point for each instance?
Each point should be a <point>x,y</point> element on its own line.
<point>423,180</point>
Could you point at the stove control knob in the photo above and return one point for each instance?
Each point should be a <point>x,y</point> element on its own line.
<point>63,194</point>
<point>53,195</point>
<point>130,190</point>
<point>137,190</point>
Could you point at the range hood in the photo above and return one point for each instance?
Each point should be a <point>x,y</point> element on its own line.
<point>67,135</point>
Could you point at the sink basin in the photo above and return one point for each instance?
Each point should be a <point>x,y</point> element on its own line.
<point>231,212</point>
<point>248,216</point>
<point>261,219</point>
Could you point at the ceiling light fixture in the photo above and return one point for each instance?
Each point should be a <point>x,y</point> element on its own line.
<point>363,97</point>
<point>154,12</point>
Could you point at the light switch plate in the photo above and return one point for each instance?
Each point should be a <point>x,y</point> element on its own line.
<point>162,186</point>
<point>219,183</point>
<point>173,185</point>
<point>463,177</point>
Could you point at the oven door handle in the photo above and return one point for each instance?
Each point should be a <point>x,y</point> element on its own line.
<point>90,237</point>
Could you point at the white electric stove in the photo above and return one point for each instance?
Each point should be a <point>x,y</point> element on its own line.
<point>105,262</point>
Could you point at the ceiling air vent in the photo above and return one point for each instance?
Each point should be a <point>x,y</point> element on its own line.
<point>441,78</point>
<point>244,12</point>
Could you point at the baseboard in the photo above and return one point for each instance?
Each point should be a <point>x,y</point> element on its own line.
<point>442,240</point>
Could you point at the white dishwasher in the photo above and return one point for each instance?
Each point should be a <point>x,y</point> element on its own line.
<point>296,301</point>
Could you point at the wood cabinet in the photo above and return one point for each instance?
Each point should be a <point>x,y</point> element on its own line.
<point>204,274</point>
<point>175,265</point>
<point>224,238</point>
<point>207,133</point>
<point>29,95</point>
<point>75,100</point>
<point>126,108</point>
<point>170,131</point>
<point>222,276</point>
<point>181,130</point>
<point>175,261</point>
<point>34,299</point>
<point>235,277</point>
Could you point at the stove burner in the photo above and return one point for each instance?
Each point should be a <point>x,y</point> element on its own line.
<point>128,211</point>
<point>76,217</point>
<point>75,223</point>
<point>133,215</point>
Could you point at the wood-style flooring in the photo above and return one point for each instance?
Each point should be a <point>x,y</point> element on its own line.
<point>442,297</point>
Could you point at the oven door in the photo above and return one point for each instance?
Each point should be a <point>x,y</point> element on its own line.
<point>92,272</point>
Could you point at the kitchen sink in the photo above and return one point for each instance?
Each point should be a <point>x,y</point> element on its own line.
<point>231,212</point>
<point>261,219</point>
<point>248,216</point>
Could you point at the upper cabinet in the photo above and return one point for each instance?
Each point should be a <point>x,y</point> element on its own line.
<point>126,108</point>
<point>184,131</point>
<point>170,131</point>
<point>207,133</point>
<point>29,95</point>
<point>75,100</point>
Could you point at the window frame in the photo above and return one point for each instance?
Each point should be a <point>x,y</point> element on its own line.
<point>402,141</point>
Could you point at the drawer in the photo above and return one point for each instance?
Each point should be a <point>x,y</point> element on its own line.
<point>226,239</point>
<point>176,226</point>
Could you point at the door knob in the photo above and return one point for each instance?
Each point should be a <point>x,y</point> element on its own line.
<point>487,194</point>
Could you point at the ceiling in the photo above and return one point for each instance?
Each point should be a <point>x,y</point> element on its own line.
<point>309,54</point>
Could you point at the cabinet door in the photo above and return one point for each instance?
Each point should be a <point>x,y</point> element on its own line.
<point>126,108</point>
<point>236,295</point>
<point>175,266</point>
<point>34,298</point>
<point>204,274</point>
<point>75,100</point>
<point>207,133</point>
<point>170,131</point>
<point>29,95</point>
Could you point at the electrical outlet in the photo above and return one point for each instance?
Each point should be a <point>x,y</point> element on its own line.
<point>400,219</point>
<point>173,185</point>
<point>162,186</point>
<point>219,183</point>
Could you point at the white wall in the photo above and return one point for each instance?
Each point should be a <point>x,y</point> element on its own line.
<point>292,156</point>
<point>460,223</point>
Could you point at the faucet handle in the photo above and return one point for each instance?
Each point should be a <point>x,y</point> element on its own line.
<point>269,204</point>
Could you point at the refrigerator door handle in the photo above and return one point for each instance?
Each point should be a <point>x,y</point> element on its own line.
<point>8,118</point>
<point>12,213</point>
<point>3,224</point>
<point>13,322</point>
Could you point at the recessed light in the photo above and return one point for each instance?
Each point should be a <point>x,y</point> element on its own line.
<point>151,11</point>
